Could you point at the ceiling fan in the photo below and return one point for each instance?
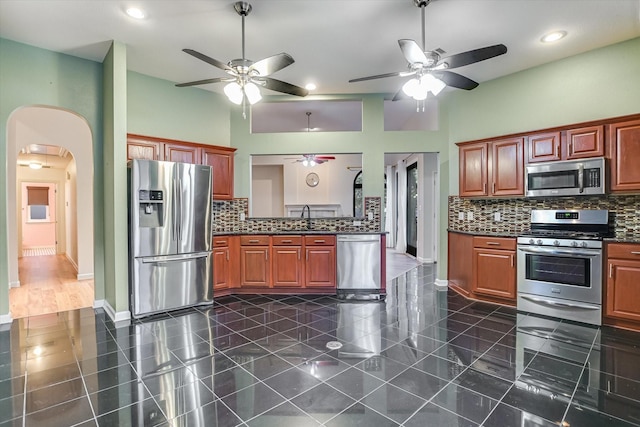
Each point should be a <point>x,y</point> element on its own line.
<point>430,69</point>
<point>312,159</point>
<point>245,76</point>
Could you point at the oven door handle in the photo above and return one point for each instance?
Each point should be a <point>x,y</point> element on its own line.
<point>559,304</point>
<point>595,253</point>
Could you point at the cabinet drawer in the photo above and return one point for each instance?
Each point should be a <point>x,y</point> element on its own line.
<point>494,242</point>
<point>286,240</point>
<point>220,241</point>
<point>323,240</point>
<point>623,251</point>
<point>254,240</point>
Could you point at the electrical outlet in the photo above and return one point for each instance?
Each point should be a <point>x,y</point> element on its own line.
<point>242,216</point>
<point>461,216</point>
<point>370,216</point>
<point>497,217</point>
<point>357,223</point>
<point>469,216</point>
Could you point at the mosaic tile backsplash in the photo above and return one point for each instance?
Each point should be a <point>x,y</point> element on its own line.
<point>624,213</point>
<point>227,214</point>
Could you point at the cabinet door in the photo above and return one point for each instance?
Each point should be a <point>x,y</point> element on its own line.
<point>221,272</point>
<point>320,266</point>
<point>254,267</point>
<point>623,289</point>
<point>585,142</point>
<point>181,153</point>
<point>494,273</point>
<point>149,150</point>
<point>287,267</point>
<point>222,165</point>
<point>624,144</point>
<point>473,169</point>
<point>543,147</point>
<point>507,167</point>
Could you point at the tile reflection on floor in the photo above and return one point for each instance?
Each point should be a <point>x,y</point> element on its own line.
<point>422,357</point>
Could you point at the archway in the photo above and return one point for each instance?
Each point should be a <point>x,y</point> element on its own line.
<point>44,125</point>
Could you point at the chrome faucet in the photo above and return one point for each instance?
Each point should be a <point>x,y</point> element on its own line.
<point>308,215</point>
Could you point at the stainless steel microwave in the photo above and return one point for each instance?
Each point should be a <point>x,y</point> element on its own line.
<point>582,177</point>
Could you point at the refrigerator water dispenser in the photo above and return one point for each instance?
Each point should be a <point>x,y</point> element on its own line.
<point>151,209</point>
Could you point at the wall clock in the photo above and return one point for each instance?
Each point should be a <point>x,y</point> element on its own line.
<point>312,179</point>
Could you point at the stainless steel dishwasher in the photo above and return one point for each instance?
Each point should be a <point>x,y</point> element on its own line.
<point>359,269</point>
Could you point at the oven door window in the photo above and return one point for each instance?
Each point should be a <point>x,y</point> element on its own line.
<point>553,180</point>
<point>573,271</point>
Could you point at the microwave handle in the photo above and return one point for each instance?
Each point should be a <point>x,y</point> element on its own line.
<point>581,177</point>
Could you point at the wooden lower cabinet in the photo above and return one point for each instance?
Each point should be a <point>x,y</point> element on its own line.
<point>494,267</point>
<point>225,256</point>
<point>622,299</point>
<point>460,268</point>
<point>255,265</point>
<point>320,261</point>
<point>287,263</point>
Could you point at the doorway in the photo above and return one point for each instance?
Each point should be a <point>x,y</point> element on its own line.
<point>412,209</point>
<point>49,148</point>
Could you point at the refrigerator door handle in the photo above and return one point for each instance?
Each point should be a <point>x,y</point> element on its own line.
<point>165,259</point>
<point>175,211</point>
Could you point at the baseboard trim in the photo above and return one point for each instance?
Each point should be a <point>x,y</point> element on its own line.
<point>441,284</point>
<point>15,284</point>
<point>85,276</point>
<point>425,260</point>
<point>5,318</point>
<point>116,316</point>
<point>71,260</point>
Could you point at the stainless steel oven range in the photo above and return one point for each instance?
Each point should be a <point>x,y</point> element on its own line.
<point>560,264</point>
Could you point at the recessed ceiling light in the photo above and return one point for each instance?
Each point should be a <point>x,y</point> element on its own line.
<point>554,36</point>
<point>310,86</point>
<point>136,13</point>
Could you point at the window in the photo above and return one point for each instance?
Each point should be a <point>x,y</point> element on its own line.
<point>37,204</point>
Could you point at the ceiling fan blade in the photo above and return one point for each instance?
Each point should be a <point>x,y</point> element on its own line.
<point>326,157</point>
<point>270,65</point>
<point>412,51</point>
<point>209,60</point>
<point>203,82</point>
<point>472,56</point>
<point>379,76</point>
<point>456,80</point>
<point>284,87</point>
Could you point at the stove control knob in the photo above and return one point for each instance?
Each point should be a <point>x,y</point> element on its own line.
<point>539,242</point>
<point>584,244</point>
<point>574,244</point>
<point>532,242</point>
<point>556,243</point>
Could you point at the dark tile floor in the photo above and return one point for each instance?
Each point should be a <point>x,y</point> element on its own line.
<point>421,358</point>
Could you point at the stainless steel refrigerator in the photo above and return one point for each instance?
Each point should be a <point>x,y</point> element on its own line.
<point>169,236</point>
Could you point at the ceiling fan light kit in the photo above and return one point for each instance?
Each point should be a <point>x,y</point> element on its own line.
<point>35,165</point>
<point>245,76</point>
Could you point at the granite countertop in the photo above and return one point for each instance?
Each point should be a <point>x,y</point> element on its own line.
<point>295,232</point>
<point>486,233</point>
<point>628,238</point>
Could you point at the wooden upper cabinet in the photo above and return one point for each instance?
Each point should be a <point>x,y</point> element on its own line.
<point>181,153</point>
<point>543,147</point>
<point>507,167</point>
<point>473,169</point>
<point>624,150</point>
<point>148,149</point>
<point>585,142</point>
<point>221,160</point>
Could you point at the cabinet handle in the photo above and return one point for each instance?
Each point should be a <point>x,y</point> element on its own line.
<point>254,241</point>
<point>307,256</point>
<point>511,261</point>
<point>610,271</point>
<point>558,150</point>
<point>484,187</point>
<point>635,253</point>
<point>319,241</point>
<point>266,255</point>
<point>227,254</point>
<point>493,243</point>
<point>493,190</point>
<point>298,254</point>
<point>286,241</point>
<point>570,148</point>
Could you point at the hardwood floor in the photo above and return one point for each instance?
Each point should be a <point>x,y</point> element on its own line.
<point>48,285</point>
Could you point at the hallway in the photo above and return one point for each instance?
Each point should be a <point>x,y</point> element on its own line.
<point>48,285</point>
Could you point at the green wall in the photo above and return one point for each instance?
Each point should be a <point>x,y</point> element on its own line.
<point>157,108</point>
<point>32,76</point>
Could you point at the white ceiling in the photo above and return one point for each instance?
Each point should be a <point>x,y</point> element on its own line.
<point>331,41</point>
